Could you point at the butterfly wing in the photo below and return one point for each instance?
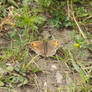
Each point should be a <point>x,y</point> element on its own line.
<point>38,47</point>
<point>52,46</point>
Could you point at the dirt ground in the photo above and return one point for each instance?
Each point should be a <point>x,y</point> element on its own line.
<point>55,74</point>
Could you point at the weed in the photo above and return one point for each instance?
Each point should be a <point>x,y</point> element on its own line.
<point>28,18</point>
<point>56,12</point>
<point>3,11</point>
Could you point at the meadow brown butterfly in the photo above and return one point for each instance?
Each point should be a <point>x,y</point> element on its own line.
<point>45,48</point>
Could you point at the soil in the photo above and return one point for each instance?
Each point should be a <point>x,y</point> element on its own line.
<point>55,74</point>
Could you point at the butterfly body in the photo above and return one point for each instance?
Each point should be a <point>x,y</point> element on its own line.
<point>45,48</point>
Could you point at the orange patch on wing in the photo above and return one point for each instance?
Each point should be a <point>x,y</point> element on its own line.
<point>35,45</point>
<point>56,43</point>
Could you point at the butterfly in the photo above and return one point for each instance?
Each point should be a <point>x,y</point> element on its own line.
<point>45,48</point>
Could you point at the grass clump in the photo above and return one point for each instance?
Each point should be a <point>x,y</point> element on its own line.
<point>55,12</point>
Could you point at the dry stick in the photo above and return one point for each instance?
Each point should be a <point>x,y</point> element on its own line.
<point>32,61</point>
<point>68,10</point>
<point>78,23</point>
<point>80,28</point>
<point>88,17</point>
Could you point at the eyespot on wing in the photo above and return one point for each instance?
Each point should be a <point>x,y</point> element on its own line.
<point>54,43</point>
<point>38,47</point>
<point>34,45</point>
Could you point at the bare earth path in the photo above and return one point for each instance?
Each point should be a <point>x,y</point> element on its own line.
<point>55,75</point>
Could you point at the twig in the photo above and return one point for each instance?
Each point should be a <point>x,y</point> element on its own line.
<point>81,32</point>
<point>79,27</point>
<point>32,61</point>
<point>88,17</point>
<point>68,9</point>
